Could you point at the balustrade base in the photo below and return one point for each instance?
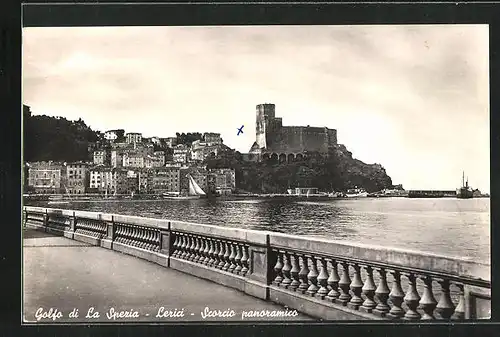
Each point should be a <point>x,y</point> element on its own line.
<point>320,296</point>
<point>341,302</point>
<point>155,257</point>
<point>68,233</point>
<point>367,310</point>
<point>353,306</point>
<point>106,243</point>
<point>316,307</point>
<point>35,225</point>
<point>250,287</point>
<point>94,241</point>
<point>53,230</point>
<point>380,313</point>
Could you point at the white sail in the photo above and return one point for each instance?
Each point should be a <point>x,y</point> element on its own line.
<point>194,189</point>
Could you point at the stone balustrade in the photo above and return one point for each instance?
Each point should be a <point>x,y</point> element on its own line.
<point>323,278</point>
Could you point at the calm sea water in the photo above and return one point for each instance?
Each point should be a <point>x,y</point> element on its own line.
<point>443,226</point>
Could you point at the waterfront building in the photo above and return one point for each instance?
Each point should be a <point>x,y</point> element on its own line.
<point>156,160</point>
<point>46,177</point>
<point>117,158</point>
<point>212,138</point>
<point>133,159</point>
<point>99,157</point>
<point>117,146</point>
<point>165,180</point>
<point>155,141</point>
<point>181,153</point>
<point>225,180</point>
<point>111,135</point>
<point>285,143</point>
<point>145,181</point>
<point>134,137</point>
<point>169,141</point>
<point>76,178</point>
<point>201,150</point>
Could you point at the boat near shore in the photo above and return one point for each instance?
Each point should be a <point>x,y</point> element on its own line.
<point>465,192</point>
<point>356,193</point>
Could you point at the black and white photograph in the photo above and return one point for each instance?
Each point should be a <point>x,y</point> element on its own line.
<point>265,173</point>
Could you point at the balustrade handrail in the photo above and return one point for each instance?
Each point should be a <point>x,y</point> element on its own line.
<point>462,270</point>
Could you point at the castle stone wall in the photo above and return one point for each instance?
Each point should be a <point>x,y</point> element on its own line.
<point>273,137</point>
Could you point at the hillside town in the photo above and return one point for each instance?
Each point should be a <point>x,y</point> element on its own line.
<point>130,164</point>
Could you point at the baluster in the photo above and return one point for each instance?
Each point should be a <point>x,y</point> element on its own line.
<point>322,280</point>
<point>459,313</point>
<point>147,239</point>
<point>285,271</point>
<point>396,296</point>
<point>226,257</point>
<point>356,288</point>
<point>183,246</point>
<point>344,283</point>
<point>244,261</point>
<point>197,249</point>
<point>128,233</point>
<point>382,295</point>
<point>412,298</point>
<point>222,260</point>
<point>156,240</point>
<point>205,258</point>
<point>428,302</point>
<point>294,273</point>
<point>211,259</point>
<point>313,278</point>
<point>333,282</point>
<point>237,259</point>
<point>117,233</point>
<point>191,248</point>
<point>133,236</point>
<point>141,236</point>
<point>277,268</point>
<point>201,250</point>
<point>304,271</point>
<point>133,231</point>
<point>215,254</point>
<point>445,307</point>
<point>369,291</point>
<point>231,257</point>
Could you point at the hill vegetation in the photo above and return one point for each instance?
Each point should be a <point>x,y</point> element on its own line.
<point>55,138</point>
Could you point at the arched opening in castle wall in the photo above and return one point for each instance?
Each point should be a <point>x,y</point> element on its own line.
<point>274,157</point>
<point>291,158</point>
<point>282,158</point>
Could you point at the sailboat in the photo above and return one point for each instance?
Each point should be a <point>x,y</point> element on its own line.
<point>465,192</point>
<point>195,191</point>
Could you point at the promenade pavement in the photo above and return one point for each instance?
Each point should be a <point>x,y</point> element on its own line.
<point>69,276</point>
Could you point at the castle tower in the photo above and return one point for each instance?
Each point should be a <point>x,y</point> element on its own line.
<point>265,114</point>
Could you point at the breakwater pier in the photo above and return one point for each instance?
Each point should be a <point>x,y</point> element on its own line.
<point>319,278</point>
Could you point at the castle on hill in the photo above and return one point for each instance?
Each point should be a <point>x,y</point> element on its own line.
<point>275,141</point>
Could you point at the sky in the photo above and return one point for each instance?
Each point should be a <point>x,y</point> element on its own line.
<point>413,98</point>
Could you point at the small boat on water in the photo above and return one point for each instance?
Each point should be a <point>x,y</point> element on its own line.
<point>356,193</point>
<point>465,192</point>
